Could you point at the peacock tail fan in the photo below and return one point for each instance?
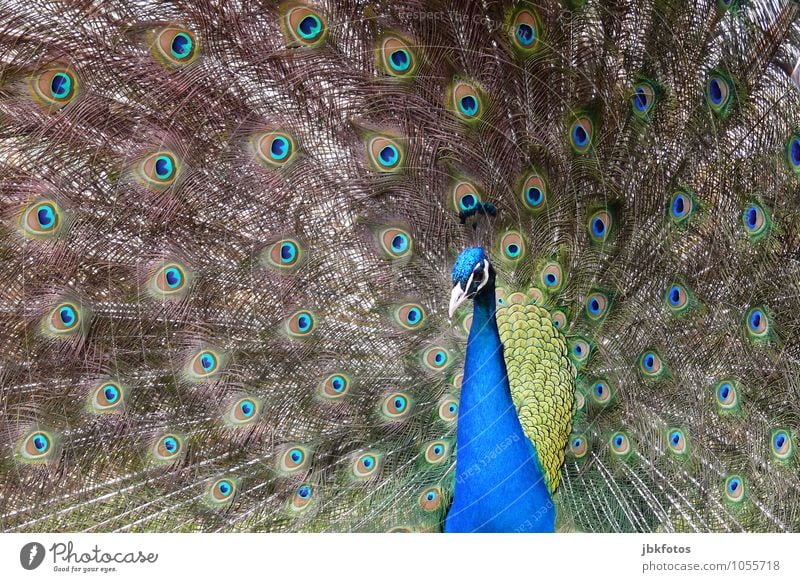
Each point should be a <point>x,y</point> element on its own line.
<point>228,231</point>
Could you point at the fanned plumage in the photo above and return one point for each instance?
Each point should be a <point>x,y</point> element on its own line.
<point>228,230</point>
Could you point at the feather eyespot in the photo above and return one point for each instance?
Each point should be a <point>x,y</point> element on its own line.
<point>677,298</point>
<point>559,320</point>
<point>643,100</point>
<point>524,31</point>
<point>676,441</point>
<point>719,94</point>
<point>396,406</point>
<point>285,254</point>
<point>107,397</point>
<point>758,325</point>
<point>158,170</point>
<point>734,488</point>
<point>64,319</point>
<point>465,196</point>
<point>436,358</point>
<point>169,280</point>
<point>726,395</point>
<point>781,444</point>
<point>55,87</point>
<point>37,447</point>
<point>366,465</point>
<point>305,26</point>
<point>244,411</point>
<point>512,246</point>
<point>600,225</point>
<point>756,221</point>
<point>552,276</point>
<point>466,101</point>
<point>301,323</point>
<point>681,207</point>
<point>294,459</point>
<point>222,492</point>
<point>410,316</point>
<point>579,351</point>
<point>448,409</point>
<point>168,448</point>
<point>395,242</point>
<point>601,392</point>
<point>620,443</point>
<point>793,152</point>
<point>579,446</point>
<point>334,386</point>
<point>274,149</point>
<point>650,364</point>
<point>431,499</point>
<point>175,46</point>
<point>397,57</point>
<point>41,219</point>
<point>302,497</point>
<point>597,305</point>
<point>204,364</point>
<point>534,192</point>
<point>385,153</point>
<point>580,134</point>
<point>436,452</point>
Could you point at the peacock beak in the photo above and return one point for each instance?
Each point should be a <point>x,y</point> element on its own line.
<point>457,297</point>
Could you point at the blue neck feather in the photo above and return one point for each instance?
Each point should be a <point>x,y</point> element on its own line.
<point>500,486</point>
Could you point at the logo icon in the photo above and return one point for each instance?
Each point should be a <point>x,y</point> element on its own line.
<point>31,555</point>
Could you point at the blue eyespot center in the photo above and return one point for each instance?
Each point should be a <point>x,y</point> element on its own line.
<point>225,487</point>
<point>755,320</point>
<point>795,150</point>
<point>46,216</point>
<point>40,442</point>
<point>309,27</point>
<point>111,394</point>
<point>60,85</point>
<point>679,206</point>
<point>468,202</point>
<point>440,357</point>
<point>452,408</point>
<point>598,226</point>
<point>438,450</point>
<point>303,322</point>
<point>550,280</point>
<point>649,362</point>
<point>513,250</point>
<point>304,491</point>
<point>578,349</point>
<point>780,440</point>
<point>368,461</point>
<point>414,315</point>
<point>675,438</point>
<point>170,444</point>
<point>296,455</point>
<point>207,361</point>
<point>181,46</point>
<point>430,496</point>
<point>173,277</point>
<point>580,135</point>
<point>468,105</point>
<point>279,148</point>
<point>533,195</point>
<point>594,306</point>
<point>640,99</point>
<point>618,440</point>
<point>338,383</point>
<point>163,167</point>
<point>733,485</point>
<point>247,407</point>
<point>399,404</point>
<point>67,316</point>
<point>525,34</point>
<point>288,252</point>
<point>715,91</point>
<point>577,443</point>
<point>388,155</point>
<point>400,242</point>
<point>599,389</point>
<point>400,60</point>
<point>725,391</point>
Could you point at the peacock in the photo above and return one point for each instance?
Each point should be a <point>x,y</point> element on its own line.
<point>421,266</point>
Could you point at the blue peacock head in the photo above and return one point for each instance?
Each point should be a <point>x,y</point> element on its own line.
<point>473,274</point>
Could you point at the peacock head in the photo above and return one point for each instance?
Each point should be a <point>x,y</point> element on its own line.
<point>473,275</point>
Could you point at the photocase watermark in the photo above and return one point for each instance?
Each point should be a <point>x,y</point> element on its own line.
<point>66,558</point>
<point>478,466</point>
<point>31,555</point>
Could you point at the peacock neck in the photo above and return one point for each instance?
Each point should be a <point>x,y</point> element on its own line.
<point>499,483</point>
